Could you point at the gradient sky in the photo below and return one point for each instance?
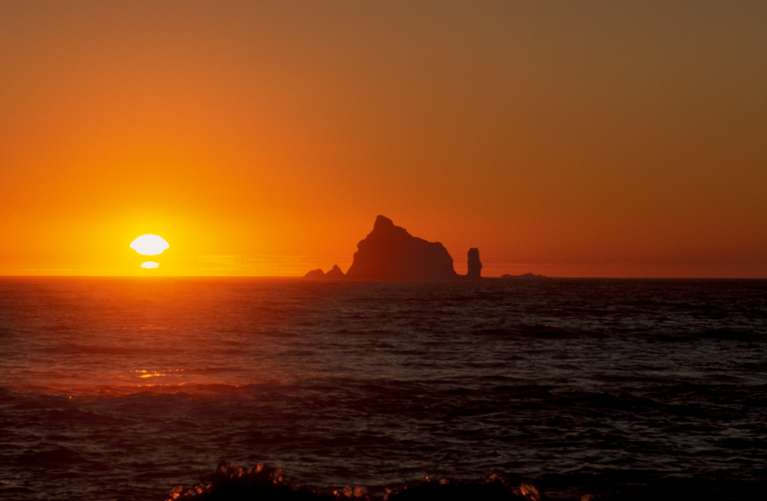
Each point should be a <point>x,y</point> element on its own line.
<point>566,138</point>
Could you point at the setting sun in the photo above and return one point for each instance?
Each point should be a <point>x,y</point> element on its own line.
<point>149,245</point>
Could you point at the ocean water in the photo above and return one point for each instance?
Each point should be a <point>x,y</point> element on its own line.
<point>123,388</point>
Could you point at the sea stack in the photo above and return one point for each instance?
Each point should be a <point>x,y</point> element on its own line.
<point>390,253</point>
<point>315,274</point>
<point>334,273</point>
<point>474,265</point>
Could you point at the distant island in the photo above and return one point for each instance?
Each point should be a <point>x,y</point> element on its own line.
<point>524,276</point>
<point>391,253</point>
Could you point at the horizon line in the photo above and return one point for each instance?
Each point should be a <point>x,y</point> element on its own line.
<point>496,277</point>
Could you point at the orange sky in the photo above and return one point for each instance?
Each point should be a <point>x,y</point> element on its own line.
<point>581,140</point>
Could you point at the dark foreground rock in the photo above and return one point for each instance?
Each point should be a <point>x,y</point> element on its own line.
<point>234,483</point>
<point>390,253</point>
<point>262,483</point>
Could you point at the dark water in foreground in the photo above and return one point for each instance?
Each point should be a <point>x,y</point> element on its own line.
<point>111,389</point>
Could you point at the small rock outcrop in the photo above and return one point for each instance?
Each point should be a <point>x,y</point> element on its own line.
<point>474,265</point>
<point>390,253</point>
<point>335,273</point>
<point>524,276</point>
<point>315,274</point>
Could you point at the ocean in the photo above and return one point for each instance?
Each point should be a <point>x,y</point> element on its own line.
<point>123,388</point>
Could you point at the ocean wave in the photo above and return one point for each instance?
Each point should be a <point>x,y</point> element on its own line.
<point>50,456</point>
<point>542,331</point>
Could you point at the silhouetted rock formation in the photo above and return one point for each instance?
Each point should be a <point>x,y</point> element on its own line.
<point>389,252</point>
<point>474,264</point>
<point>264,483</point>
<point>315,274</point>
<point>335,273</point>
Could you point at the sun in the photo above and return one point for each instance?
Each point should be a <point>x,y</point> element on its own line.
<point>149,245</point>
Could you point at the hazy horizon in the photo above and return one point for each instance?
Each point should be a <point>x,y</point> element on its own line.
<point>160,276</point>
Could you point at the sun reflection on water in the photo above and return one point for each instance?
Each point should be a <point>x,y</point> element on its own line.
<point>146,374</point>
<point>157,373</point>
